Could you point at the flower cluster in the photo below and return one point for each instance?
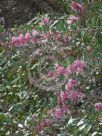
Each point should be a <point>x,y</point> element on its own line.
<point>58,113</point>
<point>71,93</point>
<point>72,19</point>
<point>72,90</point>
<point>71,83</point>
<point>77,67</point>
<point>75,96</point>
<point>20,40</point>
<point>77,7</point>
<point>36,38</point>
<point>23,40</point>
<point>45,21</point>
<point>59,70</point>
<point>98,106</point>
<point>43,124</point>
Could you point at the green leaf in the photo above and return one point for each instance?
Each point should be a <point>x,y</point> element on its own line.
<point>71,121</point>
<point>82,127</point>
<point>88,128</point>
<point>80,122</point>
<point>7,120</point>
<point>73,27</point>
<point>94,134</point>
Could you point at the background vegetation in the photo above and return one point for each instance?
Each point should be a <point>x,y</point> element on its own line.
<point>27,93</point>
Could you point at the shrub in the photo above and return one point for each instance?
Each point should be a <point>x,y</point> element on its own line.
<point>51,75</point>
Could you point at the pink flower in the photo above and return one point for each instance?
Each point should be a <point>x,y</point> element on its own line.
<point>72,19</point>
<point>36,36</point>
<point>47,122</point>
<point>58,114</point>
<point>45,36</point>
<point>65,108</point>
<point>27,37</point>
<point>61,70</point>
<point>45,21</point>
<point>52,74</point>
<point>63,96</point>
<point>98,106</point>
<point>43,124</point>
<point>68,70</point>
<point>78,66</point>
<point>77,7</point>
<point>75,96</point>
<point>21,39</point>
<point>35,33</point>
<point>38,128</point>
<point>14,41</point>
<point>71,83</point>
<point>18,41</point>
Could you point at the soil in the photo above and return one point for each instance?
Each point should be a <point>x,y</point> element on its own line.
<point>20,11</point>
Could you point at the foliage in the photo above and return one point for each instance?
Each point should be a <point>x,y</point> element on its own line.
<point>33,75</point>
